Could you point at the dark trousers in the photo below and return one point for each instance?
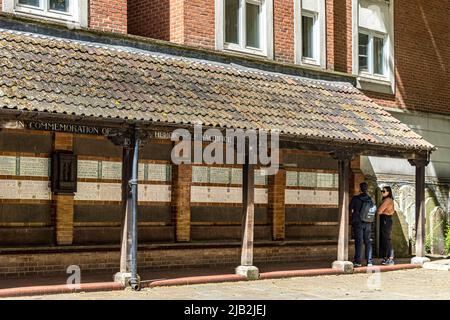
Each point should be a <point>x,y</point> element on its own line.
<point>362,232</point>
<point>386,250</point>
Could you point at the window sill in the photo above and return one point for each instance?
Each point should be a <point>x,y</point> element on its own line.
<point>250,52</point>
<point>374,84</point>
<point>311,63</point>
<point>66,21</point>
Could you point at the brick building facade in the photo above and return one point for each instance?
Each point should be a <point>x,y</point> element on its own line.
<point>418,90</point>
<point>174,210</point>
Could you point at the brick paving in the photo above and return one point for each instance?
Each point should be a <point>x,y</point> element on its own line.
<point>395,285</point>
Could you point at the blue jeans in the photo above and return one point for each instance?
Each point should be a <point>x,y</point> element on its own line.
<point>362,233</point>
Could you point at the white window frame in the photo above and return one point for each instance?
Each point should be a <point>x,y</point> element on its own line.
<point>77,15</point>
<point>319,59</point>
<point>370,55</point>
<point>368,80</point>
<point>266,28</point>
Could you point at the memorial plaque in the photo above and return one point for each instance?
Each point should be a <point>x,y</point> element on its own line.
<point>307,179</point>
<point>261,196</point>
<point>336,181</point>
<point>88,169</point>
<point>9,189</point>
<point>307,197</point>
<point>158,193</point>
<point>291,179</point>
<point>290,196</point>
<point>88,191</point>
<point>236,176</point>
<point>110,192</point>
<point>325,180</point>
<point>200,174</point>
<point>111,170</point>
<point>158,172</point>
<point>234,195</point>
<point>36,190</point>
<point>334,198</point>
<point>142,171</point>
<point>218,194</point>
<point>260,177</point>
<point>8,166</point>
<point>219,175</point>
<point>36,167</point>
<point>199,194</point>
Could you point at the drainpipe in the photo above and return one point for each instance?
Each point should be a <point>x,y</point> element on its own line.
<point>134,281</point>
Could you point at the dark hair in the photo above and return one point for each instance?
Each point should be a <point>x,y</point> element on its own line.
<point>389,190</point>
<point>364,186</point>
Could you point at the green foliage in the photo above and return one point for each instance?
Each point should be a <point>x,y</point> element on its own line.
<point>428,240</point>
<point>447,240</point>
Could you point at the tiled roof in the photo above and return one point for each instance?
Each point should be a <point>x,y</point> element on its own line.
<point>46,74</point>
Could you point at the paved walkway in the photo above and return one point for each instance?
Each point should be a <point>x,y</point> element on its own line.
<point>154,275</point>
<point>394,285</point>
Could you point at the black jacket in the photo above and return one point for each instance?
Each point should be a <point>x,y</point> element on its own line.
<point>356,205</point>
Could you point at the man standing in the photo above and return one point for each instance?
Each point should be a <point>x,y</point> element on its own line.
<point>361,230</point>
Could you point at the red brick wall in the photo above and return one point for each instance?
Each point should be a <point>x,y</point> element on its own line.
<point>422,56</point>
<point>283,26</point>
<point>339,24</point>
<point>199,20</point>
<point>108,15</point>
<point>164,257</point>
<point>149,18</point>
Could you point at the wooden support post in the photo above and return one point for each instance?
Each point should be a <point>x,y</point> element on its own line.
<point>420,211</point>
<point>248,196</point>
<point>342,262</point>
<point>125,253</point>
<point>248,218</point>
<point>130,140</point>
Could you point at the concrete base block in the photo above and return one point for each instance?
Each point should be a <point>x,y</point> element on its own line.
<point>419,260</point>
<point>440,265</point>
<point>250,272</point>
<point>124,278</point>
<point>345,266</point>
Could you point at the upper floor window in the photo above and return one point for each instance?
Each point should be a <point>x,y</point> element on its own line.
<point>245,26</point>
<point>373,44</point>
<point>310,32</point>
<point>72,11</point>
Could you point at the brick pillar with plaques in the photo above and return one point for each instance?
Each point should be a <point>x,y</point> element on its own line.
<point>181,201</point>
<point>63,203</point>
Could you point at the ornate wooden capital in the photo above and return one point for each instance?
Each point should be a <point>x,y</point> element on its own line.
<point>123,136</point>
<point>343,155</point>
<point>419,162</point>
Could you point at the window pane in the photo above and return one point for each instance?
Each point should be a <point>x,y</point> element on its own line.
<point>59,5</point>
<point>231,21</point>
<point>363,50</point>
<point>378,55</point>
<point>308,37</point>
<point>252,24</point>
<point>34,3</point>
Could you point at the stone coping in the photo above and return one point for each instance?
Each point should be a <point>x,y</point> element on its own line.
<point>160,246</point>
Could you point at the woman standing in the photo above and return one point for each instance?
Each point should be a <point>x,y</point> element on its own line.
<point>386,211</point>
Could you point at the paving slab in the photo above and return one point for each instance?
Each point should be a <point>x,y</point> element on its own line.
<point>440,265</point>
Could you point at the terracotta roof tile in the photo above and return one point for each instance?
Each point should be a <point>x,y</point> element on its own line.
<point>40,73</point>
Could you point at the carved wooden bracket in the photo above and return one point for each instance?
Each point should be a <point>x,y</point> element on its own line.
<point>123,136</point>
<point>419,162</point>
<point>343,155</point>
